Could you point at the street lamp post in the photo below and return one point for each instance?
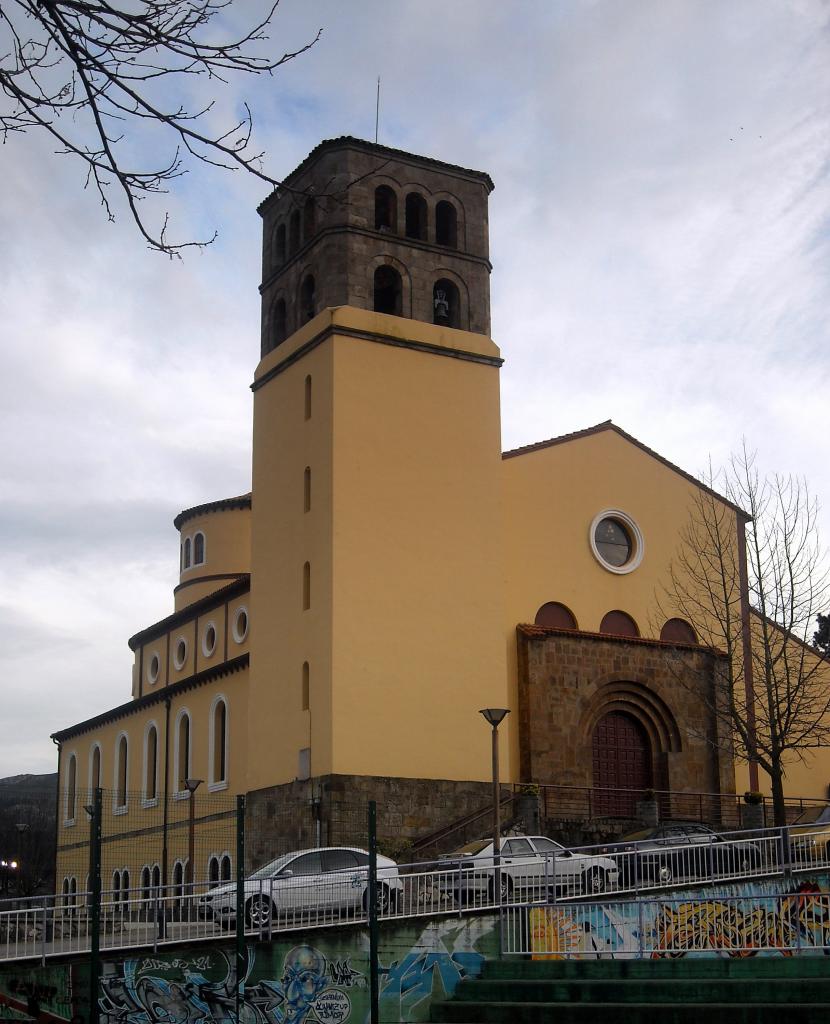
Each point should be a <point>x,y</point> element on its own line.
<point>494,717</point>
<point>191,785</point>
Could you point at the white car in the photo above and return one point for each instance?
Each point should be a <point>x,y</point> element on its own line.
<point>531,866</point>
<point>318,882</point>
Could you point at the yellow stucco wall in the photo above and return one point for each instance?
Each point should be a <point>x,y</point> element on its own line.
<point>402,635</point>
<point>227,534</point>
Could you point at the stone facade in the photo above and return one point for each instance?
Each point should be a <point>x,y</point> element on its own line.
<point>321,225</point>
<point>568,680</point>
<point>332,810</point>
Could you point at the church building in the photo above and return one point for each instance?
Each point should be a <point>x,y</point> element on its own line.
<point>336,631</point>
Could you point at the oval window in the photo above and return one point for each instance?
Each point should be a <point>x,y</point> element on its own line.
<point>240,625</point>
<point>153,668</point>
<point>209,640</point>
<point>180,653</point>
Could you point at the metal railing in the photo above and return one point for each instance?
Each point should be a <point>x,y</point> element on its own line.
<point>733,926</point>
<point>50,926</point>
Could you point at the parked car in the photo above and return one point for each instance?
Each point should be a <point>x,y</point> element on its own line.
<point>531,866</point>
<point>683,849</point>
<point>326,880</point>
<point>810,836</point>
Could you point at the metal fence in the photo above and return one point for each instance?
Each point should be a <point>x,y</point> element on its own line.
<point>322,887</point>
<point>733,926</point>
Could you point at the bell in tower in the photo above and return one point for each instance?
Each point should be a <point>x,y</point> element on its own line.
<point>363,225</point>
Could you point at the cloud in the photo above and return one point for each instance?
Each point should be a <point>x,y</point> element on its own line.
<point>659,236</point>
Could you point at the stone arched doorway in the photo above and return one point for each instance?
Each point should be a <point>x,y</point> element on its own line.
<point>622,761</point>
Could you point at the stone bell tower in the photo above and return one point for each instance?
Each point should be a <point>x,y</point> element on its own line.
<point>357,224</point>
<point>376,572</point>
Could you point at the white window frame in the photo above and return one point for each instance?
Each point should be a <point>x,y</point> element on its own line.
<point>69,820</point>
<point>91,760</point>
<point>193,562</point>
<point>215,785</point>
<point>208,652</point>
<point>238,636</point>
<point>146,800</point>
<point>182,794</point>
<point>116,807</point>
<point>179,664</point>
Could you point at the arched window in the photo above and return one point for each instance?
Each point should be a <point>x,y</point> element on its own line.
<point>279,329</point>
<point>446,229</point>
<point>294,232</point>
<point>219,742</point>
<point>71,788</point>
<point>199,549</point>
<point>94,769</point>
<point>225,868</point>
<point>307,489</point>
<point>186,561</point>
<point>386,209</point>
<point>156,879</point>
<point>146,883</point>
<point>121,772</point>
<point>388,291</point>
<point>213,872</point>
<point>445,304</point>
<point>416,216</point>
<point>309,218</point>
<point>125,887</point>
<point>307,400</point>
<point>65,891</point>
<point>619,624</point>
<point>305,687</point>
<point>116,886</point>
<point>678,631</point>
<point>151,746</point>
<point>306,586</point>
<point>178,879</point>
<point>182,750</point>
<point>279,245</point>
<point>307,299</point>
<point>555,616</point>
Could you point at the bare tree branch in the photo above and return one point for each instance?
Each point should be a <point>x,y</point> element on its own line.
<point>776,701</point>
<point>87,72</point>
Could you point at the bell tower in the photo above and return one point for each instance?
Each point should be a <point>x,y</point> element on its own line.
<point>376,568</point>
<point>357,224</point>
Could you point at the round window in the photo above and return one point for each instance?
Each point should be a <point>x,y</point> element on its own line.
<point>240,625</point>
<point>616,541</point>
<point>209,640</point>
<point>180,653</point>
<point>153,668</point>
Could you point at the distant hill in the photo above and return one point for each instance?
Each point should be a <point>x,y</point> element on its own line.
<point>29,783</point>
<point>28,805</point>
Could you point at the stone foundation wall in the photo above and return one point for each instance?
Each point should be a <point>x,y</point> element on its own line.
<point>331,810</point>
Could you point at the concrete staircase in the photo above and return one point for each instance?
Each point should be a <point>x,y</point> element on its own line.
<point>689,990</point>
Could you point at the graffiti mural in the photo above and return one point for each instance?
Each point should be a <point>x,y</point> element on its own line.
<point>728,925</point>
<point>326,982</point>
<point>36,993</point>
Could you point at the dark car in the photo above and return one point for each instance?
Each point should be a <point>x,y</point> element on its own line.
<point>683,849</point>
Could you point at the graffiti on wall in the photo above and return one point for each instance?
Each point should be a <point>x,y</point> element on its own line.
<point>30,993</point>
<point>327,982</point>
<point>763,922</point>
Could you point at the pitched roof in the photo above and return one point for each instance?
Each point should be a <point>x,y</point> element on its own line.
<point>220,505</point>
<point>600,428</point>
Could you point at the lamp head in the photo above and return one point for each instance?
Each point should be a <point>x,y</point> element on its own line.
<point>494,716</point>
<point>191,785</point>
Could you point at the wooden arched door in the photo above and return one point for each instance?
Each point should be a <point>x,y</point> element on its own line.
<point>621,761</point>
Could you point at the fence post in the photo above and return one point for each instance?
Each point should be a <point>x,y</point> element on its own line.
<point>372,893</point>
<point>639,929</point>
<point>241,966</point>
<point>95,909</point>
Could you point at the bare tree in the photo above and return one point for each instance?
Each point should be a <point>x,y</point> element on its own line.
<point>751,586</point>
<point>92,73</point>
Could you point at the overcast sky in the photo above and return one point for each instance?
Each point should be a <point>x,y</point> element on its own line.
<point>659,239</point>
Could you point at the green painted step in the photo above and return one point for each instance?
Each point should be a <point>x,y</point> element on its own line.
<point>643,990</point>
<point>684,967</point>
<point>624,1013</point>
